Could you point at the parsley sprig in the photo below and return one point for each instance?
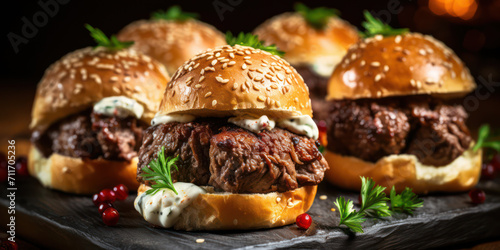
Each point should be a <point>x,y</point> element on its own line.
<point>373,199</point>
<point>374,204</point>
<point>173,13</point>
<point>375,26</point>
<point>251,41</point>
<point>103,41</point>
<point>406,202</point>
<point>487,139</point>
<point>159,172</point>
<point>317,17</point>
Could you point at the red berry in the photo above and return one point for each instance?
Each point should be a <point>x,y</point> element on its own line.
<point>496,161</point>
<point>22,166</point>
<point>103,206</point>
<point>110,216</point>
<point>121,192</point>
<point>477,196</point>
<point>107,195</point>
<point>8,245</point>
<point>487,171</point>
<point>322,126</point>
<point>96,198</point>
<point>303,221</point>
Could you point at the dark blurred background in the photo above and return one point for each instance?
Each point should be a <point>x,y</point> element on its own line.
<point>470,27</point>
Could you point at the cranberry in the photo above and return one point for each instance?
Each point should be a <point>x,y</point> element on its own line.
<point>110,216</point>
<point>103,206</point>
<point>107,195</point>
<point>477,196</point>
<point>322,126</point>
<point>8,245</point>
<point>22,166</point>
<point>96,199</point>
<point>487,171</point>
<point>121,192</point>
<point>303,221</point>
<point>3,167</point>
<point>496,161</point>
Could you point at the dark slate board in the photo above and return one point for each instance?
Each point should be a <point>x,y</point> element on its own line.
<point>58,220</point>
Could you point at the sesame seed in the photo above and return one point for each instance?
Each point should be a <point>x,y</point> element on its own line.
<point>386,68</point>
<point>258,78</point>
<point>243,66</point>
<point>422,52</point>
<point>398,39</point>
<point>362,63</point>
<point>398,49</point>
<point>323,197</point>
<point>214,62</point>
<point>113,79</point>
<point>201,79</point>
<point>412,82</point>
<point>378,77</point>
<point>375,64</point>
<point>116,89</point>
<point>231,63</point>
<point>197,86</point>
<point>248,62</point>
<point>261,98</point>
<point>231,55</point>
<point>221,80</point>
<point>278,199</point>
<point>379,93</point>
<point>200,240</point>
<point>246,57</point>
<point>208,94</point>
<point>217,55</point>
<point>214,102</point>
<point>378,37</point>
<point>235,85</point>
<point>126,79</point>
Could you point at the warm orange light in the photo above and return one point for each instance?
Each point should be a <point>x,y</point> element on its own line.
<point>464,9</point>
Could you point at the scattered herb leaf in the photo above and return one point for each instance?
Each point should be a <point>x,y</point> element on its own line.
<point>251,41</point>
<point>103,41</point>
<point>373,199</point>
<point>159,172</point>
<point>487,139</point>
<point>406,202</point>
<point>375,26</point>
<point>317,17</point>
<point>173,13</point>
<point>348,216</point>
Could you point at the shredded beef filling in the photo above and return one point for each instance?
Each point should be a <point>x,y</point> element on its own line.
<point>425,127</point>
<point>229,158</point>
<point>91,135</point>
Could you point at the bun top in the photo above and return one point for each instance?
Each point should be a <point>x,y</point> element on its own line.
<point>304,44</point>
<point>401,65</point>
<point>229,80</point>
<point>83,77</point>
<point>172,42</point>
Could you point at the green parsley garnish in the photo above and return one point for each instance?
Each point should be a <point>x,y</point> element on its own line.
<point>374,27</point>
<point>348,216</point>
<point>487,139</point>
<point>374,204</point>
<point>174,13</point>
<point>103,41</point>
<point>251,41</point>
<point>317,17</point>
<point>373,199</point>
<point>159,172</point>
<point>406,202</point>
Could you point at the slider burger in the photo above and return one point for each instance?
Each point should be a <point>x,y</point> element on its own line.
<point>314,41</point>
<point>238,120</point>
<point>172,37</point>
<point>393,118</point>
<point>89,113</point>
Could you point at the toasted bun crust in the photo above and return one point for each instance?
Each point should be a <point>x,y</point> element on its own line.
<point>81,176</point>
<point>303,43</point>
<point>172,42</point>
<point>405,171</point>
<point>227,211</point>
<point>403,65</point>
<point>83,77</point>
<point>230,80</point>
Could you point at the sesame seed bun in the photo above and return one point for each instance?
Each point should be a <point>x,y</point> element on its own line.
<point>81,176</point>
<point>409,64</point>
<point>172,42</point>
<point>405,171</point>
<point>302,43</point>
<point>229,80</point>
<point>227,211</point>
<point>83,77</point>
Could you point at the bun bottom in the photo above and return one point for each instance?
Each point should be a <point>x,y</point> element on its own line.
<point>405,171</point>
<point>81,176</point>
<point>228,211</point>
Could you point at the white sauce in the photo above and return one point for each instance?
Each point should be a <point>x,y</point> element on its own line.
<point>302,125</point>
<point>120,106</point>
<point>254,125</point>
<point>324,66</point>
<point>163,119</point>
<point>164,208</point>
